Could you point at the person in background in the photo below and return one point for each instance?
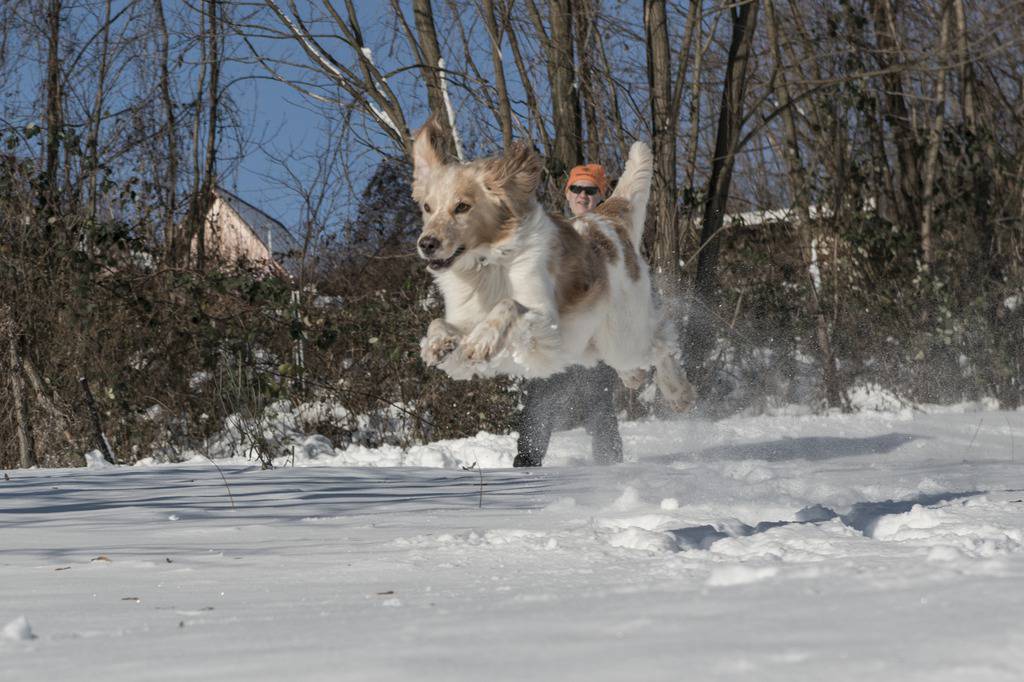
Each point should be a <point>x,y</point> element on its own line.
<point>579,395</point>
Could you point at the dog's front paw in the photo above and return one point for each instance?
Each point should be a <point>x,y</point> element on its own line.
<point>434,348</point>
<point>482,344</point>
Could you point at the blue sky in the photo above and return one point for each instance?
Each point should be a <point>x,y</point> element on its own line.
<point>281,122</point>
<point>273,119</point>
<point>285,122</point>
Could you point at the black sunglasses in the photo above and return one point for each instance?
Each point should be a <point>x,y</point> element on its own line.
<point>589,191</point>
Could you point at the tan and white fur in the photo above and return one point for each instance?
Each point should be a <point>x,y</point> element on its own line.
<point>529,294</point>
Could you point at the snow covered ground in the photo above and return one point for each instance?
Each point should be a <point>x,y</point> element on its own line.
<point>884,546</point>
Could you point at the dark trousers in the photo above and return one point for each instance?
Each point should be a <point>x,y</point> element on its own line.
<point>576,396</point>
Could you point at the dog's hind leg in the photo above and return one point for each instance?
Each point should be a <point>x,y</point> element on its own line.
<point>670,377</point>
<point>633,379</point>
<point>676,389</point>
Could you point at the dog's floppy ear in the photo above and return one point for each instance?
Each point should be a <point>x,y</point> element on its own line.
<point>427,153</point>
<point>514,176</point>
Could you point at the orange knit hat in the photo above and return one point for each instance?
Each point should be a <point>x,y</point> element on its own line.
<point>591,171</point>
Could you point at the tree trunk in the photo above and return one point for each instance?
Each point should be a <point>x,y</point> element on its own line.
<point>172,240</point>
<point>93,141</point>
<point>195,220</point>
<point>54,109</point>
<point>932,150</point>
<point>978,155</point>
<point>702,327</point>
<point>47,401</point>
<point>212,121</point>
<point>26,442</point>
<point>430,51</point>
<point>897,115</point>
<point>802,200</point>
<point>504,106</point>
<point>565,103</point>
<point>662,211</point>
<point>205,180</point>
<point>694,111</point>
<point>589,81</point>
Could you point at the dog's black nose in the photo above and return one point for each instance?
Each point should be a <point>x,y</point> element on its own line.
<point>428,245</point>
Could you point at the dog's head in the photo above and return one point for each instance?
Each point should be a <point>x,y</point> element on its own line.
<point>468,208</point>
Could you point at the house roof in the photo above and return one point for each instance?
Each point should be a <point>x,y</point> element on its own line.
<point>271,233</point>
<point>783,215</point>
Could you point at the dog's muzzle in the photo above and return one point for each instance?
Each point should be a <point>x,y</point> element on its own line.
<point>428,246</point>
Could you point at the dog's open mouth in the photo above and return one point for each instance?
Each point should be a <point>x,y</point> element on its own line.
<point>438,264</point>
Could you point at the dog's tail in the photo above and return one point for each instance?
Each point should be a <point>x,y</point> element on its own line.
<point>635,187</point>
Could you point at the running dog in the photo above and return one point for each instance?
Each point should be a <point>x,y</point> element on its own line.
<point>527,293</point>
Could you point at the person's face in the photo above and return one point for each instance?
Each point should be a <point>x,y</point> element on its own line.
<point>583,196</point>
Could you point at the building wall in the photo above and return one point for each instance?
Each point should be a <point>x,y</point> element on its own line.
<point>230,240</point>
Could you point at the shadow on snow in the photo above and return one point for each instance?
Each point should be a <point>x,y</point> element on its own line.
<point>863,517</point>
<point>259,495</point>
<point>812,448</point>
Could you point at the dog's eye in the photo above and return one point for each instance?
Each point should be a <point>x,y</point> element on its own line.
<point>426,208</point>
<point>461,207</point>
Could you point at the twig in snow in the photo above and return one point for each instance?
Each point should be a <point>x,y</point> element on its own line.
<point>94,413</point>
<point>205,452</point>
<point>1010,427</point>
<point>971,444</point>
<point>480,471</point>
<point>231,498</point>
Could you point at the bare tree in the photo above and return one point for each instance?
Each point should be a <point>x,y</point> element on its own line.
<point>557,41</point>
<point>665,255</point>
<point>928,198</point>
<point>702,325</point>
<point>363,83</point>
<point>666,94</point>
<point>26,441</point>
<point>54,102</point>
<point>803,220</point>
<point>93,141</point>
<point>432,67</point>
<point>896,111</point>
<point>495,34</point>
<point>170,130</point>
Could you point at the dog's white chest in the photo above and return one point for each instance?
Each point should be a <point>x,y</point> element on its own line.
<point>468,299</point>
